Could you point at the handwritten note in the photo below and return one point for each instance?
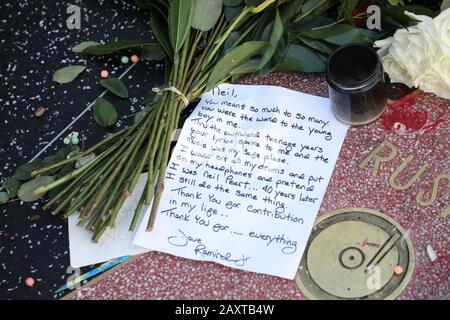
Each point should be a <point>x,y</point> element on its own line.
<point>246,179</point>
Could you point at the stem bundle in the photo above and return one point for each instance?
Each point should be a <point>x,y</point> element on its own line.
<point>100,187</point>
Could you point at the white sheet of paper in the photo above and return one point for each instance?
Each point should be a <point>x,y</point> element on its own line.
<point>114,243</point>
<point>246,179</point>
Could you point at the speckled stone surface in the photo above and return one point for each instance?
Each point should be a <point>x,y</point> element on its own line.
<point>34,43</point>
<point>161,276</point>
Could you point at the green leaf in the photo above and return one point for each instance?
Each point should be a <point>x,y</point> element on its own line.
<point>206,14</point>
<point>65,169</point>
<point>67,74</point>
<point>26,191</point>
<point>396,16</point>
<point>299,58</point>
<point>418,10</point>
<point>152,53</point>
<point>11,186</point>
<point>346,10</point>
<point>233,12</point>
<point>4,197</point>
<point>232,3</point>
<point>312,5</point>
<point>339,34</point>
<point>318,45</point>
<point>24,171</point>
<point>104,113</point>
<point>233,59</point>
<point>253,3</point>
<point>314,8</point>
<point>181,13</point>
<point>115,86</point>
<point>108,48</point>
<point>250,66</point>
<point>159,27</point>
<point>278,56</point>
<point>230,43</point>
<point>277,33</point>
<point>60,155</point>
<point>83,45</point>
<point>290,9</point>
<point>309,24</point>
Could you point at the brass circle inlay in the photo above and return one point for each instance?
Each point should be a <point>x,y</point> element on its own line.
<point>352,254</point>
<point>351,257</point>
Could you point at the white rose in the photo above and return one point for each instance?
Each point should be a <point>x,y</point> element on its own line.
<point>437,78</point>
<point>442,30</point>
<point>432,82</point>
<point>409,55</point>
<point>395,71</point>
<point>420,55</point>
<point>383,45</point>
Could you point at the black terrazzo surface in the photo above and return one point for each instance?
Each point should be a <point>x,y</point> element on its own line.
<point>34,42</point>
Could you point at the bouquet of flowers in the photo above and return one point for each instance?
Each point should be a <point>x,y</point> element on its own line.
<point>420,55</point>
<point>204,43</point>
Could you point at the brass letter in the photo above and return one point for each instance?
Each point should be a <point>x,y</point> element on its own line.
<point>378,159</point>
<point>400,169</point>
<point>434,193</point>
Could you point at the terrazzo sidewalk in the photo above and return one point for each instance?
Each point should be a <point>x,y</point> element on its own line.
<point>161,276</point>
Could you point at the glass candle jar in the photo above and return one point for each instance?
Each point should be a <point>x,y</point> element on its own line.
<point>356,84</point>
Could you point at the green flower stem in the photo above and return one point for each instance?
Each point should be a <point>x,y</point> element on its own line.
<point>247,31</point>
<point>66,190</point>
<point>91,186</point>
<point>44,189</point>
<point>78,156</point>
<point>138,210</point>
<point>124,152</point>
<point>125,166</point>
<point>218,44</point>
<point>193,49</point>
<point>68,199</point>
<point>119,204</point>
<point>157,149</point>
<point>181,67</point>
<point>100,230</point>
<point>126,172</point>
<point>162,168</point>
<point>199,64</point>
<point>91,225</point>
<point>85,179</point>
<point>135,179</point>
<point>88,191</point>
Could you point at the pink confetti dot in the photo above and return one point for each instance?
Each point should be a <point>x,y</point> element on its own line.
<point>104,74</point>
<point>29,282</point>
<point>398,270</point>
<point>134,58</point>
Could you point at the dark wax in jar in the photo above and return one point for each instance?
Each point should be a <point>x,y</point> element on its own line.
<point>356,84</point>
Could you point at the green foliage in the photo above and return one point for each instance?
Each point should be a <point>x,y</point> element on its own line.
<point>68,74</point>
<point>108,48</point>
<point>104,113</point>
<point>181,13</point>
<point>26,191</point>
<point>115,86</point>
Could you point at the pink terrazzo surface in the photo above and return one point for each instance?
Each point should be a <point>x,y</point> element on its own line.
<point>161,276</point>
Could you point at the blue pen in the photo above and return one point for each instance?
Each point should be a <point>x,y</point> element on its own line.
<point>102,268</point>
